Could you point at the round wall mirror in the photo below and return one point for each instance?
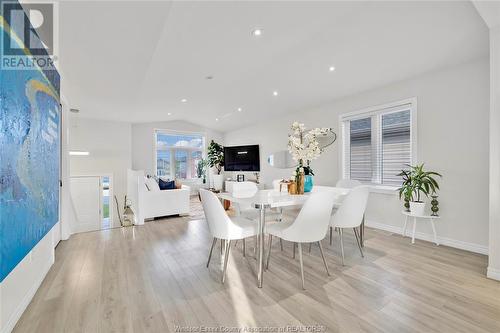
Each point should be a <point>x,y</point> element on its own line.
<point>327,139</point>
<point>281,160</point>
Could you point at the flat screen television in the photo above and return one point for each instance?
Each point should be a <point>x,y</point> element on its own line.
<point>242,158</point>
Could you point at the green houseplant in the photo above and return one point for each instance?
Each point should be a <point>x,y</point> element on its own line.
<point>406,191</point>
<point>416,183</point>
<point>215,155</point>
<point>201,169</point>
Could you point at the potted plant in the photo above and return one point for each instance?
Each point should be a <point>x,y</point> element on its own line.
<point>304,147</point>
<point>215,157</point>
<point>419,182</point>
<point>406,191</point>
<point>201,170</point>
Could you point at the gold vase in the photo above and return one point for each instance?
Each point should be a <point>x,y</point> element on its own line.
<point>300,183</point>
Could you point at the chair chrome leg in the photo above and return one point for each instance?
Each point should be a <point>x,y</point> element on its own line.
<point>226,256</point>
<point>269,251</point>
<point>342,244</point>
<point>221,246</point>
<point>244,248</point>
<point>211,249</point>
<point>301,266</point>
<point>359,242</point>
<point>310,247</point>
<point>323,256</point>
<point>293,244</point>
<point>256,241</point>
<point>331,236</point>
<point>281,244</point>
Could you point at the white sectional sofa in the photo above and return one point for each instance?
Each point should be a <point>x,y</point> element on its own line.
<point>148,203</point>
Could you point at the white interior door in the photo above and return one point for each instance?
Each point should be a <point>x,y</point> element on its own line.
<point>86,195</point>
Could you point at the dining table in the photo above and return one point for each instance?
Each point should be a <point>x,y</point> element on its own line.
<point>264,200</point>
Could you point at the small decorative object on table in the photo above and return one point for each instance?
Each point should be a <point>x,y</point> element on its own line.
<point>299,180</point>
<point>257,177</point>
<point>434,205</point>
<point>308,182</point>
<point>292,186</point>
<point>304,147</point>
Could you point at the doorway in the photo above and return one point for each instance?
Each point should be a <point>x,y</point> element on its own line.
<point>93,201</point>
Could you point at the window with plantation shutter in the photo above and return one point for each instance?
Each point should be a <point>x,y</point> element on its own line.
<point>379,142</point>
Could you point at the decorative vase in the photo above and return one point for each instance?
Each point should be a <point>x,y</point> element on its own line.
<point>434,205</point>
<point>407,205</point>
<point>292,188</point>
<point>300,183</point>
<point>308,183</point>
<point>218,180</point>
<point>417,208</point>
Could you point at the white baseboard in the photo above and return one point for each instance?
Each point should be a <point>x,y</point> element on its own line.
<point>471,247</point>
<point>16,315</point>
<point>493,273</point>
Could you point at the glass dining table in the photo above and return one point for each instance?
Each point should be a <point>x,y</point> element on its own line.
<point>263,200</point>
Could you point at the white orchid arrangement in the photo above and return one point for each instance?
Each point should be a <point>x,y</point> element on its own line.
<point>303,144</point>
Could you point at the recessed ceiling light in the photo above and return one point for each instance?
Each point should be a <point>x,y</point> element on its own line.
<point>78,153</point>
<point>240,109</point>
<point>275,93</point>
<point>331,68</point>
<point>169,113</point>
<point>216,119</point>
<point>184,100</point>
<point>257,32</point>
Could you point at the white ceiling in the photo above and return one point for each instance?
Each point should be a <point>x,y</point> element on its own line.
<point>135,61</point>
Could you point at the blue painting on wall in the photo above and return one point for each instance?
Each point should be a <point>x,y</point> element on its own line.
<point>29,158</point>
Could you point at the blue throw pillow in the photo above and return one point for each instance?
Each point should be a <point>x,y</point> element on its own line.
<point>166,184</point>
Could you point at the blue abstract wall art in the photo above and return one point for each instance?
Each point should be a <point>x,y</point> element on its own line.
<point>29,158</point>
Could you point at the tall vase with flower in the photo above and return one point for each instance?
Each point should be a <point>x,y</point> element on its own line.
<point>304,147</point>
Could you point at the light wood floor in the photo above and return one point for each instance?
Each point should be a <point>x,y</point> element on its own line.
<point>152,278</point>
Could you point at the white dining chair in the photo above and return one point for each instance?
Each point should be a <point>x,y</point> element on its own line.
<point>245,209</point>
<point>348,183</point>
<point>350,215</point>
<point>310,226</point>
<point>343,183</point>
<point>222,227</point>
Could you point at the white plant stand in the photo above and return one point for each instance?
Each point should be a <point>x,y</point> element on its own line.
<point>430,218</point>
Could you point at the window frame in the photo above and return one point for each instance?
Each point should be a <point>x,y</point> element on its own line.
<point>376,113</point>
<point>172,150</point>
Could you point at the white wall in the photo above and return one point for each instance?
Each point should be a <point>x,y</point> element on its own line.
<point>143,143</point>
<point>453,108</point>
<point>109,144</point>
<point>494,259</point>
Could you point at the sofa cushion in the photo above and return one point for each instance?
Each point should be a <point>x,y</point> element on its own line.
<point>166,185</point>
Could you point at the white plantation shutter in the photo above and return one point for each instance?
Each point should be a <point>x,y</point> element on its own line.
<point>360,150</point>
<point>396,145</point>
<point>378,143</point>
